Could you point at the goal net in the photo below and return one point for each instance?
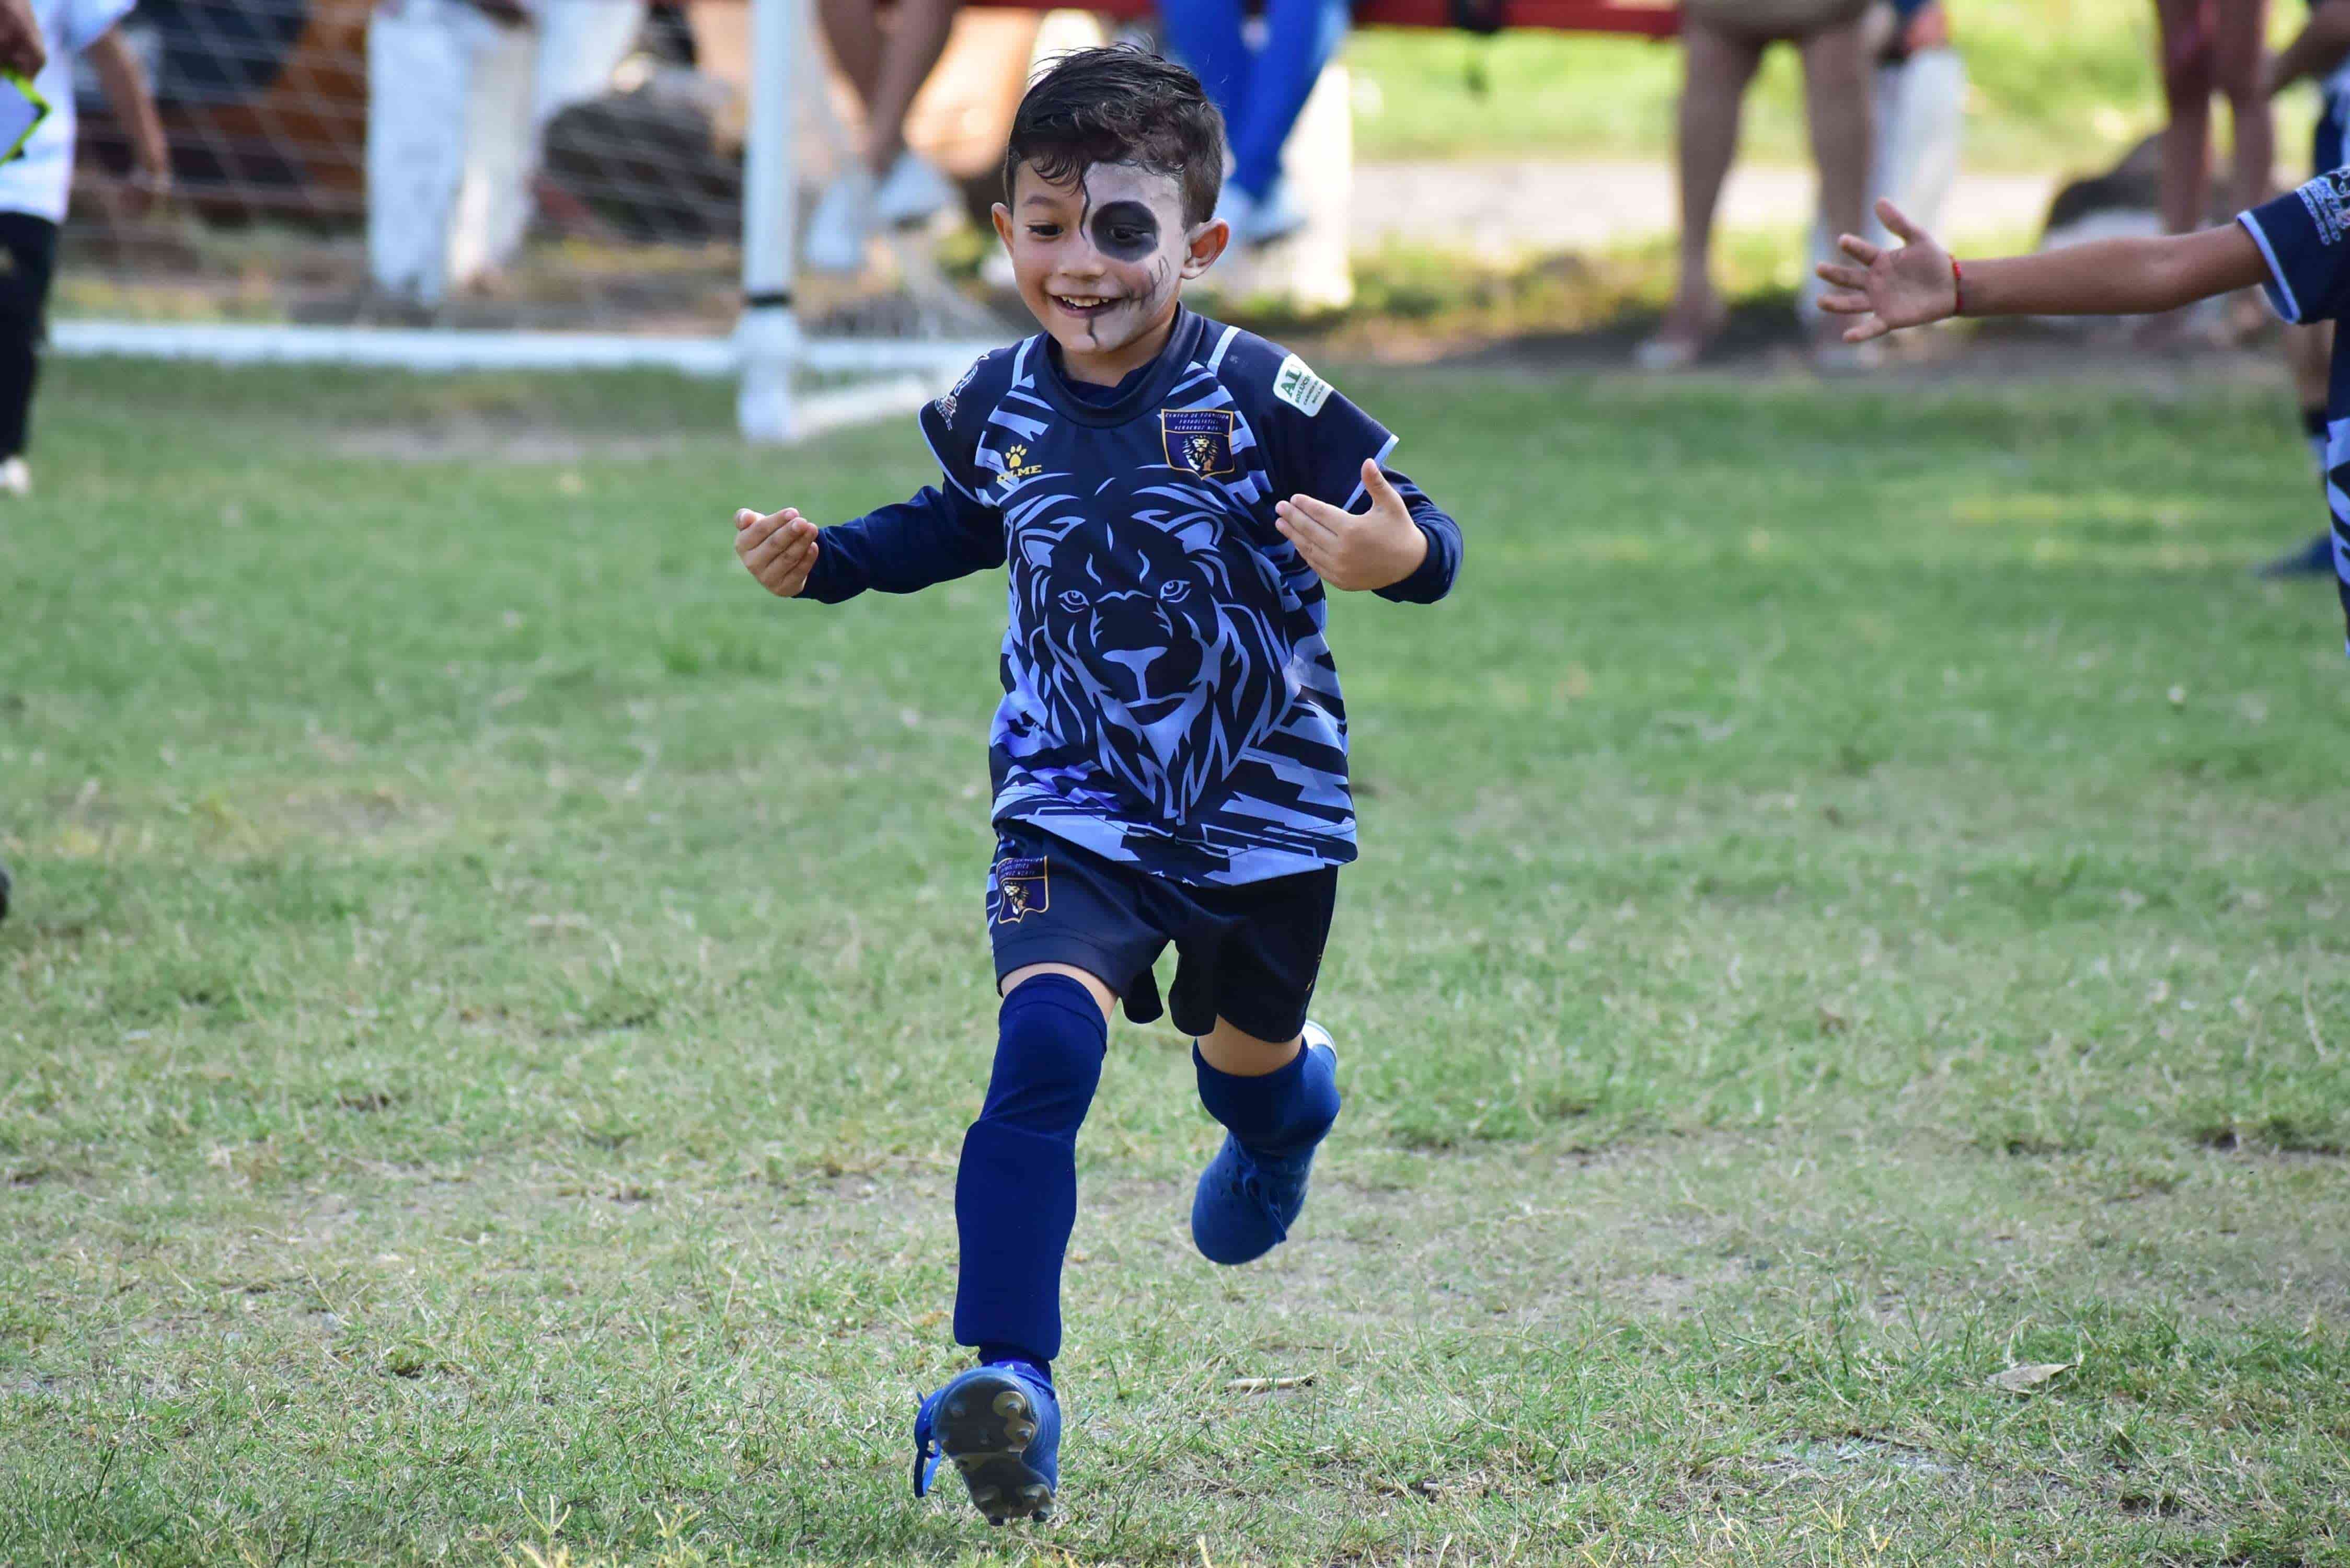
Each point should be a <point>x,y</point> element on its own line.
<point>453,184</point>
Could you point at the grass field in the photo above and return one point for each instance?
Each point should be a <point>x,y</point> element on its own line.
<point>1854,903</point>
<point>2056,85</point>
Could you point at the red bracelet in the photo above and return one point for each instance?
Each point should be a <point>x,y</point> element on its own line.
<point>1957,288</point>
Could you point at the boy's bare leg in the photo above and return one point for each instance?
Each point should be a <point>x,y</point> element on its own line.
<point>1716,67</point>
<point>1244,1055</point>
<point>1098,988</point>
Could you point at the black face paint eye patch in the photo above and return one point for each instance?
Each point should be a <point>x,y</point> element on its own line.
<point>1126,230</point>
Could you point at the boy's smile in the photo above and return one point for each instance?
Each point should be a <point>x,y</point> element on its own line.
<point>1101,262</point>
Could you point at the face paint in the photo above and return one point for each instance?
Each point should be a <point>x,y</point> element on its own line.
<point>1124,230</point>
<point>1100,263</point>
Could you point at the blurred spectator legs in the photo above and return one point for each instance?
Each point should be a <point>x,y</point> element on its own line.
<point>888,184</point>
<point>448,103</point>
<point>2207,46</point>
<point>1921,101</point>
<point>1718,66</point>
<point>1260,90</point>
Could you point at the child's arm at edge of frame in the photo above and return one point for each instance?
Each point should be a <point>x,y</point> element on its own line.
<point>939,536</point>
<point>2316,49</point>
<point>124,82</point>
<point>1917,282</point>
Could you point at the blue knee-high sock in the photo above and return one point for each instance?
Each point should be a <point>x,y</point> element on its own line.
<point>1016,1188</point>
<point>1283,1113</point>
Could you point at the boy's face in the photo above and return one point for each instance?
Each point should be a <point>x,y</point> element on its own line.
<point>1100,262</point>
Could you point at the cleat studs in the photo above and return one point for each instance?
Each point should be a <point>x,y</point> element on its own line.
<point>984,1495</point>
<point>1035,1496</point>
<point>1011,1405</point>
<point>1043,1516</point>
<point>956,1406</point>
<point>1020,1431</point>
<point>967,1463</point>
<point>996,1519</point>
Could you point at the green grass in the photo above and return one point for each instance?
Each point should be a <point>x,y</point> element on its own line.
<point>1854,899</point>
<point>2057,85</point>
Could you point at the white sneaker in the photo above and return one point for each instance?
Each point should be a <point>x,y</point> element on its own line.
<point>913,191</point>
<point>16,479</point>
<point>843,223</point>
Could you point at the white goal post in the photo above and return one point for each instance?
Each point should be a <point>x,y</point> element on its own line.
<point>775,364</point>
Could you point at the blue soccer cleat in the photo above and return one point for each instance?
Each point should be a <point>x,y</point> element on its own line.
<point>1001,1426</point>
<point>1245,1203</point>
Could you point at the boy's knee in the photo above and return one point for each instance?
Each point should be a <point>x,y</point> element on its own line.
<point>1050,1041</point>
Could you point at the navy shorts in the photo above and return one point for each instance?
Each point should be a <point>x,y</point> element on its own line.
<point>1248,955</point>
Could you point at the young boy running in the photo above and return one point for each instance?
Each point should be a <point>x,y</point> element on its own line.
<point>2297,247</point>
<point>1173,496</point>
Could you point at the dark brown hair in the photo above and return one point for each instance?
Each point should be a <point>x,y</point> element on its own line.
<point>1121,105</point>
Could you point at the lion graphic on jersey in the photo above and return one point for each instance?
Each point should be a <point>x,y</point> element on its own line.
<point>1135,640</point>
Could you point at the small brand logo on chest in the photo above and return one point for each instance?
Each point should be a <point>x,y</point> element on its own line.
<point>1199,441</point>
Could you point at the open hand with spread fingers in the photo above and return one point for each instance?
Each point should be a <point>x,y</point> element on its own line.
<point>1355,550</point>
<point>778,549</point>
<point>1909,285</point>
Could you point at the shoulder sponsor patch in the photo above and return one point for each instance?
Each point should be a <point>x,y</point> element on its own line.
<point>1299,387</point>
<point>2327,197</point>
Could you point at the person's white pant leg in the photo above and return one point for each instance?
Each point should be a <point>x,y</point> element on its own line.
<point>493,204</point>
<point>420,67</point>
<point>580,44</point>
<point>1922,121</point>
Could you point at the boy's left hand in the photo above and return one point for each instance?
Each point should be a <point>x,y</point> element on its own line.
<point>1355,550</point>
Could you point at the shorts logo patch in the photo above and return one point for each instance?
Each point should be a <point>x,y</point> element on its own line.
<point>1022,889</point>
<point>2327,197</point>
<point>1299,387</point>
<point>1199,441</point>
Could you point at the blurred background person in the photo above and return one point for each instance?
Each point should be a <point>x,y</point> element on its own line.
<point>2212,46</point>
<point>446,80</point>
<point>34,189</point>
<point>886,183</point>
<point>1722,43</point>
<point>1260,87</point>
<point>1922,106</point>
<point>2321,52</point>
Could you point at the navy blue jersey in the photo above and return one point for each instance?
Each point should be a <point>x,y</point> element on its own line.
<point>2305,236</point>
<point>1168,697</point>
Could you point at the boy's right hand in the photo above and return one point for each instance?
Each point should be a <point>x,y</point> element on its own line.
<point>779,549</point>
<point>1906,288</point>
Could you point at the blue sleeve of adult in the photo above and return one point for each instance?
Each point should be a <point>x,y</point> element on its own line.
<point>2304,237</point>
<point>1432,578</point>
<point>939,536</point>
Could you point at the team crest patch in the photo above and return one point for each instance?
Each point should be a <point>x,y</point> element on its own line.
<point>2327,197</point>
<point>947,405</point>
<point>1022,889</point>
<point>1199,441</point>
<point>1299,387</point>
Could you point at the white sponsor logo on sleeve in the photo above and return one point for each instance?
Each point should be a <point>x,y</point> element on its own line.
<point>1299,387</point>
<point>2327,197</point>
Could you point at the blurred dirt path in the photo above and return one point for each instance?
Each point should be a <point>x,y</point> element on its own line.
<point>1499,208</point>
